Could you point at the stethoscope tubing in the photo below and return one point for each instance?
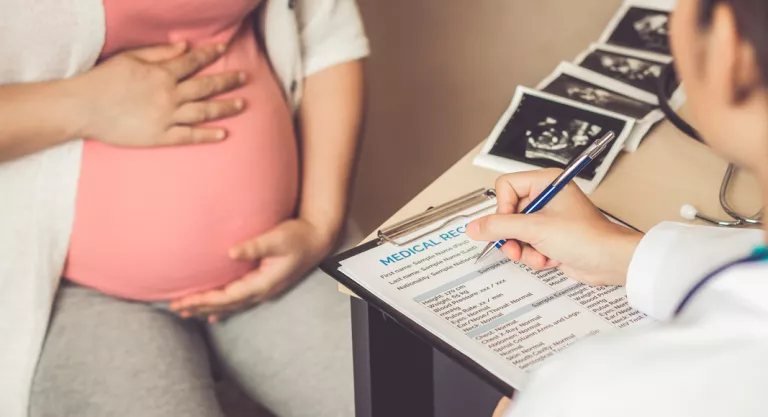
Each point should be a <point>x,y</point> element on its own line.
<point>753,220</point>
<point>739,220</point>
<point>709,277</point>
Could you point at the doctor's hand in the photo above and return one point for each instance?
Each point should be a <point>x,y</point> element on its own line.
<point>284,255</point>
<point>569,232</point>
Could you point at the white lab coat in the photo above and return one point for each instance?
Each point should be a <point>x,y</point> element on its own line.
<point>711,360</point>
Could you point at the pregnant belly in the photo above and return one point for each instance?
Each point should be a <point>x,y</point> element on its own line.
<point>155,224</point>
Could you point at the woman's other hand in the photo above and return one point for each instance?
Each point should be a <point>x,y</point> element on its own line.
<point>502,407</point>
<point>149,97</point>
<point>284,255</point>
<point>569,232</point>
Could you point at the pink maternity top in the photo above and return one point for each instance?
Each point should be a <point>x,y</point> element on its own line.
<point>154,224</point>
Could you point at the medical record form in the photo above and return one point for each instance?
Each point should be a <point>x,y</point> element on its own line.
<point>499,314</point>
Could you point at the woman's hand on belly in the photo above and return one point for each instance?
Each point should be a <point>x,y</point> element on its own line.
<point>284,255</point>
<point>148,97</point>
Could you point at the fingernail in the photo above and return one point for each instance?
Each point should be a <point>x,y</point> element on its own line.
<point>472,228</point>
<point>239,104</point>
<point>221,134</point>
<point>184,314</point>
<point>221,48</point>
<point>241,77</point>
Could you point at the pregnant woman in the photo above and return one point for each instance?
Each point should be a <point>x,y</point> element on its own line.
<point>175,246</point>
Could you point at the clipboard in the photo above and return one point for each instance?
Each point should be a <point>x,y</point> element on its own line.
<point>402,233</point>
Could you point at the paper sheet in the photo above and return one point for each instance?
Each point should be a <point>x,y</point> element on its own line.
<point>504,316</point>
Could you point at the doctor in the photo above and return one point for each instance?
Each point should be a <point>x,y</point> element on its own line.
<point>708,287</point>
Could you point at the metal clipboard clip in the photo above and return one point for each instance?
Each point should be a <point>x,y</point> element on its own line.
<point>430,220</point>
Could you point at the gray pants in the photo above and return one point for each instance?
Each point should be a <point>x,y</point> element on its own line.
<point>109,357</point>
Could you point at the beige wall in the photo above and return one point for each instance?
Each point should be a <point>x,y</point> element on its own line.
<point>442,72</point>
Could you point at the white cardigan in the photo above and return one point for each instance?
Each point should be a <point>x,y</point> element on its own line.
<point>53,39</point>
<point>708,362</point>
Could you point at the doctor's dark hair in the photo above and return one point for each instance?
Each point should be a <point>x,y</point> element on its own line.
<point>751,21</point>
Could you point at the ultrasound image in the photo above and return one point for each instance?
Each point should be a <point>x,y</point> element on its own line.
<point>643,29</point>
<point>546,133</point>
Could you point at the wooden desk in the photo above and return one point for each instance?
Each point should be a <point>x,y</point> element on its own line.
<point>393,368</point>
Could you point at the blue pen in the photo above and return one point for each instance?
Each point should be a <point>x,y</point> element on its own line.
<point>570,171</point>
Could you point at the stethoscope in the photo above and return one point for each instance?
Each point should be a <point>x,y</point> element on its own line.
<point>688,211</point>
<point>760,255</point>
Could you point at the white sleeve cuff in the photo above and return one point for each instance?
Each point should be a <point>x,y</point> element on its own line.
<point>334,55</point>
<point>332,33</point>
<point>647,263</point>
